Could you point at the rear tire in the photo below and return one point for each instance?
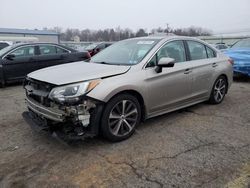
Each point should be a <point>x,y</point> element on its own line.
<point>219,90</point>
<point>120,117</point>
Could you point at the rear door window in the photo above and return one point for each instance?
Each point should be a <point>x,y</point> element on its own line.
<point>197,50</point>
<point>47,49</point>
<point>61,51</point>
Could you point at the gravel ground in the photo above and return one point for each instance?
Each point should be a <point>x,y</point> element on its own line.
<point>201,146</point>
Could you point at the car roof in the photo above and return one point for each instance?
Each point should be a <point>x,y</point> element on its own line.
<point>166,37</point>
<point>35,43</point>
<point>44,43</point>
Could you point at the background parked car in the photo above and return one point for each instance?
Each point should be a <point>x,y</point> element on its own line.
<point>240,53</point>
<point>97,47</point>
<point>4,44</point>
<point>17,60</point>
<point>221,46</point>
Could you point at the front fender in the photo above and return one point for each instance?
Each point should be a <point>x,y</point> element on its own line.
<point>109,87</point>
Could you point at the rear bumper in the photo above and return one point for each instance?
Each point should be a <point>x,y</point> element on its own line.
<point>240,72</point>
<point>242,69</point>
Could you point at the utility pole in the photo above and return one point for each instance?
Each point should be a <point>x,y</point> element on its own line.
<point>168,28</point>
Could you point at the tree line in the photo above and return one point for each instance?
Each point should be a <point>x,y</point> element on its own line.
<point>120,34</point>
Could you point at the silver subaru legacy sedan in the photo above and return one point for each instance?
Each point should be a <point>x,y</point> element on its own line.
<point>126,83</point>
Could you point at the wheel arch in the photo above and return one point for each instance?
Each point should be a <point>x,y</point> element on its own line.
<point>139,98</point>
<point>224,75</point>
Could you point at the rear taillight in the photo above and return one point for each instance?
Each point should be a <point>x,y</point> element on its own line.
<point>231,61</point>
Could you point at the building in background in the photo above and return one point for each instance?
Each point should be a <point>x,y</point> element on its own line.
<point>20,35</point>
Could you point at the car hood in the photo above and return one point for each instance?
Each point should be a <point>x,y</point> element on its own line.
<point>76,72</point>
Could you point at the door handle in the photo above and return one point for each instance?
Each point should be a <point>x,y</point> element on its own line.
<point>214,65</point>
<point>187,71</point>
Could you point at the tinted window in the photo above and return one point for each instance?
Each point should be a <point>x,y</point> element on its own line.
<point>101,46</point>
<point>107,45</point>
<point>24,51</point>
<point>91,46</point>
<point>47,49</point>
<point>197,50</point>
<point>173,50</point>
<point>61,51</point>
<point>210,52</point>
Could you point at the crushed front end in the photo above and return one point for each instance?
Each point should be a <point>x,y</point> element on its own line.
<point>74,118</point>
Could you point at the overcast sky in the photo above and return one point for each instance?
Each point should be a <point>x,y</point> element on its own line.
<point>217,15</point>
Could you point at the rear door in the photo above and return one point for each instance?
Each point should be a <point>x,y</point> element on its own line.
<point>47,55</point>
<point>51,55</point>
<point>67,56</point>
<point>21,64</point>
<point>203,62</point>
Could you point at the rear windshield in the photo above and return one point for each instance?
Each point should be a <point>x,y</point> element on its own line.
<point>91,47</point>
<point>242,44</point>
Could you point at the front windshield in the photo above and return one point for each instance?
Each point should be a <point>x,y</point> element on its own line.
<point>242,44</point>
<point>127,52</point>
<point>6,49</point>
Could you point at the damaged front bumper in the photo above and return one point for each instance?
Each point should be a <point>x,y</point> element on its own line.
<point>46,112</point>
<point>70,122</point>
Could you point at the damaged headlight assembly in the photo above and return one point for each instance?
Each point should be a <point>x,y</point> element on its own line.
<point>72,93</point>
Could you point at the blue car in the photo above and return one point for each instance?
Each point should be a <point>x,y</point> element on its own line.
<point>240,53</point>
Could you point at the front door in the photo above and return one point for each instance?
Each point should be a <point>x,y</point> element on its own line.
<point>21,64</point>
<point>171,88</point>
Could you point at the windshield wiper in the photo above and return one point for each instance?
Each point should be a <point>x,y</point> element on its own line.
<point>102,62</point>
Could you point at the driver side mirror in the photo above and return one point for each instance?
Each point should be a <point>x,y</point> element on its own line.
<point>10,56</point>
<point>164,62</point>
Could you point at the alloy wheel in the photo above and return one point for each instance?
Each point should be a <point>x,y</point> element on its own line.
<point>219,90</point>
<point>123,118</point>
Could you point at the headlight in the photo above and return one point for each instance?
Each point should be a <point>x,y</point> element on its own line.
<point>71,93</point>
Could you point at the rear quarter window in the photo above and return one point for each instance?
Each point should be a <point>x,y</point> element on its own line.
<point>210,53</point>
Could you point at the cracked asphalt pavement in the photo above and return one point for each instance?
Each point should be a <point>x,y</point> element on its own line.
<point>200,146</point>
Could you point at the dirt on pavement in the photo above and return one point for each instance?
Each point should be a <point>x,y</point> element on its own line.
<point>200,146</point>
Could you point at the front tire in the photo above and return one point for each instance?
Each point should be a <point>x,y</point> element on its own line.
<point>219,90</point>
<point>120,117</point>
